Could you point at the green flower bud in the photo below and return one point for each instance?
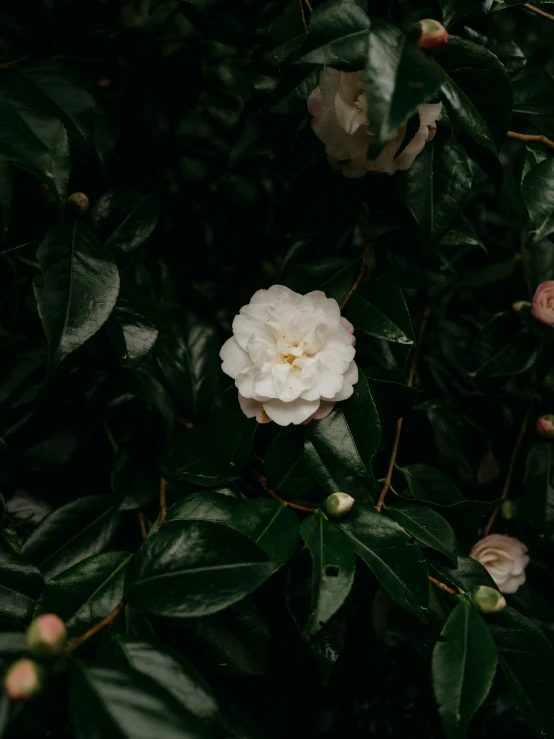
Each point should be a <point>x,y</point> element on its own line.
<point>508,509</point>
<point>46,636</point>
<point>337,505</point>
<point>519,305</point>
<point>78,202</point>
<point>487,600</point>
<point>23,680</point>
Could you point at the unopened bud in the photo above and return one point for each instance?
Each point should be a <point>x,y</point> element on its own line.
<point>520,305</point>
<point>433,35</point>
<point>545,426</point>
<point>487,600</point>
<point>23,680</point>
<point>337,505</point>
<point>46,636</point>
<point>508,509</point>
<point>78,202</point>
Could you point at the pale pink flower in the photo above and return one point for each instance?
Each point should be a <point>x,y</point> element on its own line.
<point>505,559</point>
<point>543,303</point>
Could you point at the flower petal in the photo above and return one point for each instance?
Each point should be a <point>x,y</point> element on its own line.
<point>295,412</point>
<point>235,359</point>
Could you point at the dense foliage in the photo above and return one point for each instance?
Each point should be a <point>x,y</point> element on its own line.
<point>139,502</point>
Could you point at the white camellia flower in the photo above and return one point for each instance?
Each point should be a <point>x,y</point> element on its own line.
<point>340,119</point>
<point>291,356</point>
<point>505,558</point>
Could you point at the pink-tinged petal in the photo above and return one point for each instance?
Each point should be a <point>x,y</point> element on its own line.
<point>253,409</point>
<point>295,412</point>
<point>316,106</point>
<point>513,584</point>
<point>325,407</point>
<point>429,113</point>
<point>235,359</point>
<point>348,115</point>
<point>543,303</point>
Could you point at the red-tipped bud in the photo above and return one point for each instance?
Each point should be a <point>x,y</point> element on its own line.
<point>78,202</point>
<point>23,680</point>
<point>46,636</point>
<point>545,426</point>
<point>433,35</point>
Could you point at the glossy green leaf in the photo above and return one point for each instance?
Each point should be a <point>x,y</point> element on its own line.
<point>131,327</point>
<point>388,551</point>
<point>379,310</point>
<point>526,658</point>
<point>333,567</point>
<point>334,479</point>
<point>334,276</point>
<point>85,593</point>
<point>455,10</point>
<point>270,525</point>
<point>149,386</point>
<point>205,506</point>
<point>351,434</point>
<point>426,525</point>
<point>123,704</point>
<point>539,487</point>
<point>71,533</point>
<point>537,191</point>
<point>125,218</point>
<point>80,288</point>
<point>539,262</point>
<point>464,665</point>
<point>191,456</point>
<point>294,88</point>
<point>20,585</point>
<point>437,185</point>
<point>285,464</point>
<point>194,568</point>
<point>430,485</point>
<point>134,477</point>
<point>503,348</point>
<point>399,78</point>
<point>466,575</point>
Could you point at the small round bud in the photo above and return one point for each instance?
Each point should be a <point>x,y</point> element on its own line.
<point>337,505</point>
<point>508,509</point>
<point>487,600</point>
<point>545,426</point>
<point>433,35</point>
<point>46,636</point>
<point>23,680</point>
<point>520,305</point>
<point>78,202</point>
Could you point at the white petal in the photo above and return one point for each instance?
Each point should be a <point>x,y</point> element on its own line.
<point>235,359</point>
<point>429,113</point>
<point>513,584</point>
<point>348,116</point>
<point>407,157</point>
<point>350,379</point>
<point>252,409</point>
<point>295,412</point>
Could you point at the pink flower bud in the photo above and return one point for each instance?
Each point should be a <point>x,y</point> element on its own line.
<point>545,426</point>
<point>46,635</point>
<point>78,202</point>
<point>433,35</point>
<point>22,680</point>
<point>543,303</point>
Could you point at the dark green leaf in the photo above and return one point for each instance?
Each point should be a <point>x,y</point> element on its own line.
<point>539,487</point>
<point>294,88</point>
<point>85,593</point>
<point>388,551</point>
<point>125,218</point>
<point>333,567</point>
<point>539,262</point>
<point>135,478</point>
<point>333,478</point>
<point>430,485</point>
<point>464,665</point>
<point>205,506</point>
<point>467,574</point>
<point>80,288</point>
<point>194,568</point>
<point>504,347</point>
<point>20,585</point>
<point>427,526</point>
<point>380,310</point>
<point>270,525</point>
<point>285,464</point>
<point>537,191</point>
<point>131,327</point>
<point>334,276</point>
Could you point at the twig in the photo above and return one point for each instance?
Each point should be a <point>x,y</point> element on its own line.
<point>113,443</point>
<point>301,3</point>
<point>100,625</point>
<point>513,458</point>
<point>263,482</point>
<point>365,258</point>
<point>7,65</point>
<point>532,138</point>
<point>163,503</point>
<point>142,524</point>
<point>183,422</point>
<point>411,375</point>
<point>442,586</point>
<point>538,11</point>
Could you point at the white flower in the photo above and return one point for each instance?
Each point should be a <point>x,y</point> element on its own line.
<point>505,559</point>
<point>291,356</point>
<point>340,120</point>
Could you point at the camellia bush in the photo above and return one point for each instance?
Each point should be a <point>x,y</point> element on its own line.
<point>276,369</point>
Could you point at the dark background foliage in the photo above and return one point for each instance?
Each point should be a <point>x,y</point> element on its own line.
<point>185,125</point>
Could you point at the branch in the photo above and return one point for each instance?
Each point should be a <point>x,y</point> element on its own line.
<point>442,586</point>
<point>163,503</point>
<point>513,458</point>
<point>365,258</point>
<point>531,138</point>
<point>263,482</point>
<point>100,625</point>
<point>538,11</point>
<point>111,438</point>
<point>411,375</point>
<point>142,524</point>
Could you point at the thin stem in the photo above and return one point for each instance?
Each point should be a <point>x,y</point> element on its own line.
<point>142,524</point>
<point>531,138</point>
<point>263,482</point>
<point>442,586</point>
<point>538,11</point>
<point>363,266</point>
<point>183,422</point>
<point>111,438</point>
<point>411,376</point>
<point>511,467</point>
<point>301,3</point>
<point>100,625</point>
<point>163,503</point>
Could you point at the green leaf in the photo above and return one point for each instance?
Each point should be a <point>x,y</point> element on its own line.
<point>337,36</point>
<point>333,478</point>
<point>399,78</point>
<point>437,185</point>
<point>85,593</point>
<point>270,525</point>
<point>380,310</point>
<point>466,575</point>
<point>537,191</point>
<point>504,347</point>
<point>388,551</point>
<point>188,356</point>
<point>333,567</point>
<point>20,585</point>
<point>131,327</point>
<point>526,658</point>
<point>427,526</point>
<point>148,385</point>
<point>134,477</point>
<point>80,289</point>
<point>285,464</point>
<point>173,672</point>
<point>455,10</point>
<point>205,506</point>
<point>123,704</point>
<point>33,140</point>
<point>539,487</point>
<point>333,276</point>
<point>194,568</point>
<point>125,218</point>
<point>351,434</point>
<point>294,88</point>
<point>71,533</point>
<point>539,262</point>
<point>430,485</point>
<point>464,665</point>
